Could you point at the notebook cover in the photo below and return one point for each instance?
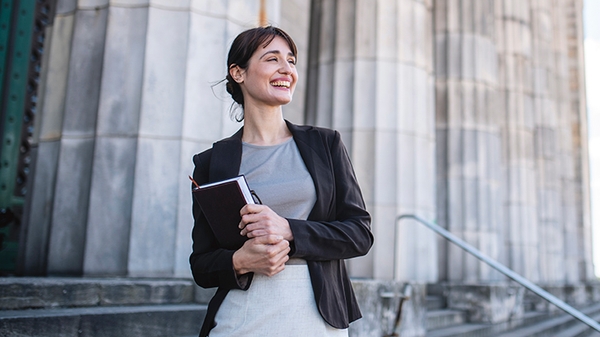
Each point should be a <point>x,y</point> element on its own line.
<point>221,204</point>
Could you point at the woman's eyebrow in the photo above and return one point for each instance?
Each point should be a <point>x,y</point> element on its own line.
<point>275,52</point>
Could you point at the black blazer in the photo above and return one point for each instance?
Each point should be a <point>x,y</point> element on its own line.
<point>337,228</point>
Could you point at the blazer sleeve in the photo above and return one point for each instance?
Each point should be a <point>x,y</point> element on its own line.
<point>346,231</point>
<point>211,266</point>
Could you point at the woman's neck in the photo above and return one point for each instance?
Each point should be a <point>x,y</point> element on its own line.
<point>265,127</point>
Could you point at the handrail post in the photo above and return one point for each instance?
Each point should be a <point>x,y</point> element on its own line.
<point>504,270</point>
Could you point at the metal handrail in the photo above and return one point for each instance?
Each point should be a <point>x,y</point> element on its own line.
<point>506,271</point>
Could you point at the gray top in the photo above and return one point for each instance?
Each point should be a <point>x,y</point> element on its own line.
<point>279,176</point>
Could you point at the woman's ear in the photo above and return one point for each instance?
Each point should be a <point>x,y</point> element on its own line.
<point>236,73</point>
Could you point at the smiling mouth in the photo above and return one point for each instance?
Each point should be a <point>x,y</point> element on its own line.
<point>281,84</point>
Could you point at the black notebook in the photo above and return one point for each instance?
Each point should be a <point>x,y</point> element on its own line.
<point>221,203</point>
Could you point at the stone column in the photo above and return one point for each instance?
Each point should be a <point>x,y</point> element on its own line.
<point>370,77</point>
<point>579,250</point>
<point>47,136</point>
<point>515,64</point>
<point>549,84</point>
<point>111,195</point>
<point>469,148</point>
<point>74,170</point>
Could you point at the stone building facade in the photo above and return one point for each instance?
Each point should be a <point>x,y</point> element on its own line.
<point>470,113</point>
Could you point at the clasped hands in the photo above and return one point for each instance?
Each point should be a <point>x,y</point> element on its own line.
<point>266,251</point>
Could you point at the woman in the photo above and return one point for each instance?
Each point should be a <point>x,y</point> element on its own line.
<point>289,278</point>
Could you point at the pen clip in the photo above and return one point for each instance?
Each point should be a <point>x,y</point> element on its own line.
<point>194,182</point>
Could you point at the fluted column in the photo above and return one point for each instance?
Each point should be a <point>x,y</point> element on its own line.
<point>579,247</point>
<point>468,135</point>
<point>371,78</point>
<point>515,64</point>
<point>111,197</point>
<point>74,171</point>
<point>47,136</point>
<point>548,82</point>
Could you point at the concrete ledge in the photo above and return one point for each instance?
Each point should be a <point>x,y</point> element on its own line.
<point>51,292</point>
<point>147,321</point>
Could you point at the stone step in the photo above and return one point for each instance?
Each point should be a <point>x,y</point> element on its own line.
<point>555,325</point>
<point>437,319</point>
<point>580,330</point>
<point>471,330</point>
<point>52,292</point>
<point>147,321</point>
<point>435,302</point>
<point>506,329</point>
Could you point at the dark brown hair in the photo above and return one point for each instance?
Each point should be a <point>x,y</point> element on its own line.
<point>242,48</point>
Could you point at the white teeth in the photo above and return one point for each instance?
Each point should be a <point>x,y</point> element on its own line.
<point>285,84</point>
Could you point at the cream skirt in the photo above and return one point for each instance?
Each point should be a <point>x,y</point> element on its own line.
<point>282,305</point>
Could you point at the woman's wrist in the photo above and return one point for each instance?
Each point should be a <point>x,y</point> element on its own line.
<point>238,265</point>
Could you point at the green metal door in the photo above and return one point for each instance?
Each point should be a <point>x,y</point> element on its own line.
<point>22,25</point>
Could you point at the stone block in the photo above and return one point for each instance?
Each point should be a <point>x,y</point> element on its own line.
<point>423,38</point>
<point>363,160</point>
<point>386,96</point>
<point>122,72</point>
<point>467,57</point>
<point>380,302</point>
<point>424,193</point>
<point>151,321</point>
<point>405,100</point>
<point>129,3</point>
<point>109,218</point>
<point>422,112</point>
<point>91,4</point>
<point>405,171</point>
<point>70,208</point>
<point>212,7</point>
<point>179,5</point>
<point>576,295</point>
<point>495,303</point>
<point>38,210</point>
<point>385,168</point>
<point>85,72</point>
<point>206,66</point>
<point>65,6</point>
<point>185,221</point>
<point>386,37</point>
<point>348,78</point>
<point>57,74</point>
<point>406,26</point>
<point>154,211</point>
<point>363,106</point>
<point>164,73</point>
<point>134,292</point>
<point>358,36</point>
<point>295,20</point>
<point>454,55</point>
<point>384,252</point>
<point>62,292</point>
<point>246,13</point>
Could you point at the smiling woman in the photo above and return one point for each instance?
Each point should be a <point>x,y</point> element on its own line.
<point>289,277</point>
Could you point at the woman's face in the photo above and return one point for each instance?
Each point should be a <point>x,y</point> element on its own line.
<point>271,75</point>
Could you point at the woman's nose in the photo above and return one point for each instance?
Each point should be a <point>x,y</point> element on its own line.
<point>286,68</point>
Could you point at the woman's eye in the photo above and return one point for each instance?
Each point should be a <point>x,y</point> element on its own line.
<point>292,61</point>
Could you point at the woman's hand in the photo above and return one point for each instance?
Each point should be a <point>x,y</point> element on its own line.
<point>264,255</point>
<point>260,220</point>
